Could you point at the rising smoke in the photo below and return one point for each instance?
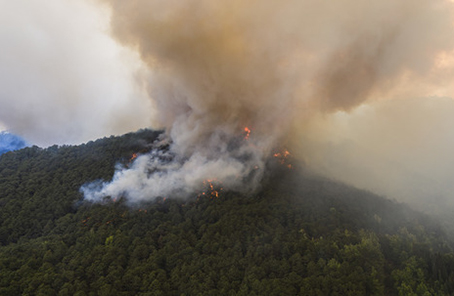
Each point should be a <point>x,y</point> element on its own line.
<point>63,80</point>
<point>272,66</point>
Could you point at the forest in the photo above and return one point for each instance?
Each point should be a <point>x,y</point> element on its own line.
<point>299,234</point>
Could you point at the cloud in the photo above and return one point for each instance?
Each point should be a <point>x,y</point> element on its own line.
<point>62,78</point>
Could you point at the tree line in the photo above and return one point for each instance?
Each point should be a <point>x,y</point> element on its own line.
<point>298,235</point>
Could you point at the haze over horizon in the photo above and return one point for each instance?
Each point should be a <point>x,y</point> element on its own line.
<point>362,92</point>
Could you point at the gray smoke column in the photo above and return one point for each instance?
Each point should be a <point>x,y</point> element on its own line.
<point>221,66</point>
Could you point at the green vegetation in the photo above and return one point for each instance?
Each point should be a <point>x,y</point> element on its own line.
<point>299,235</point>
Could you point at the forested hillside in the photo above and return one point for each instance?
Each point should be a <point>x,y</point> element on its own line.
<point>299,235</point>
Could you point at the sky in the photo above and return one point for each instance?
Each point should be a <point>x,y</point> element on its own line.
<point>360,91</point>
<point>63,80</point>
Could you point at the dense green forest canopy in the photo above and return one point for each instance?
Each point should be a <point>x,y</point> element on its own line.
<point>298,235</point>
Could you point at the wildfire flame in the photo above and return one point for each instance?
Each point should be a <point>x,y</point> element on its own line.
<point>134,156</point>
<point>248,133</point>
<point>283,157</point>
<point>84,222</point>
<point>213,189</point>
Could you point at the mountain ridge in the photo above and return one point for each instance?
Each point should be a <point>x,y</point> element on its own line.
<point>300,234</point>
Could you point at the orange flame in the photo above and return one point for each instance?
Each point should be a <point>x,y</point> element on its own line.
<point>134,156</point>
<point>248,133</point>
<point>283,158</point>
<point>213,190</point>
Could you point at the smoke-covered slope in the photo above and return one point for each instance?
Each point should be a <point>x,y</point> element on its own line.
<point>298,235</point>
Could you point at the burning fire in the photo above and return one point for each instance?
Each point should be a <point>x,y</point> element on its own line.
<point>283,157</point>
<point>134,156</point>
<point>213,189</point>
<point>248,133</point>
<point>84,222</point>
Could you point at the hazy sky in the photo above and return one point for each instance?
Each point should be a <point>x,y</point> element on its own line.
<point>364,88</point>
<point>62,78</point>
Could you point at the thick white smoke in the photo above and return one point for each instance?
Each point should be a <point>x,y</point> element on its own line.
<point>63,79</point>
<point>238,164</point>
<point>271,66</point>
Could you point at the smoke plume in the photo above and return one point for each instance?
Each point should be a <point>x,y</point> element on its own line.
<point>398,148</point>
<point>271,66</point>
<point>63,80</point>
